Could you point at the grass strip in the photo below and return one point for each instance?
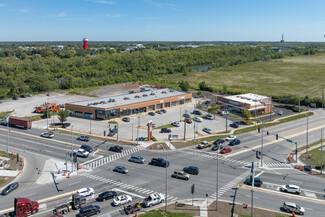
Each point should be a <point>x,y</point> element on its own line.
<point>5,114</point>
<point>160,213</point>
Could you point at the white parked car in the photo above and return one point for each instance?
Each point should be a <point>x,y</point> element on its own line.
<point>85,192</point>
<point>153,199</point>
<point>123,199</point>
<point>231,137</point>
<point>81,152</point>
<point>175,124</point>
<point>291,189</point>
<point>47,134</point>
<point>197,119</point>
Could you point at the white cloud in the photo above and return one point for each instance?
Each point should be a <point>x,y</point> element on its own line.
<point>59,15</point>
<point>157,4</point>
<point>62,14</point>
<point>114,15</point>
<point>2,5</point>
<point>24,10</point>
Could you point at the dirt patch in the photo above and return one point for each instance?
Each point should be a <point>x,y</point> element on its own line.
<point>225,209</point>
<point>179,145</point>
<point>10,165</point>
<point>112,90</point>
<point>158,146</point>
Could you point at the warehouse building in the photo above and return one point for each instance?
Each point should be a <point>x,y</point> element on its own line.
<point>250,102</point>
<point>133,103</point>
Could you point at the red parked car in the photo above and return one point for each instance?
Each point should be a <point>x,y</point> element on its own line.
<point>225,150</point>
<point>188,121</point>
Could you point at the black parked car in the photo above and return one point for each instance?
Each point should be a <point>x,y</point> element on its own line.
<point>112,132</point>
<point>159,112</point>
<point>163,111</point>
<point>106,195</point>
<point>15,98</point>
<point>116,148</point>
<point>217,147</point>
<point>23,96</point>
<point>89,210</point>
<point>10,188</point>
<point>218,141</point>
<point>191,170</point>
<point>234,125</point>
<point>126,119</point>
<point>87,148</point>
<point>234,142</point>
<point>165,130</point>
<point>151,114</point>
<point>197,112</point>
<point>65,125</point>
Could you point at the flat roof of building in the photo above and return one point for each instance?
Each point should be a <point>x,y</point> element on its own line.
<point>132,98</point>
<point>248,98</point>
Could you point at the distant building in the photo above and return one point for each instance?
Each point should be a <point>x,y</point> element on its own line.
<point>250,102</point>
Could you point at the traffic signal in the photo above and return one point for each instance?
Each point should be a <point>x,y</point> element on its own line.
<point>193,189</point>
<point>75,159</point>
<point>259,129</point>
<point>267,133</point>
<point>277,136</point>
<point>17,157</point>
<point>258,154</point>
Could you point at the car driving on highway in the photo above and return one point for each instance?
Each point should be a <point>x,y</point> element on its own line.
<point>231,137</point>
<point>85,192</point>
<point>293,207</point>
<point>83,138</point>
<point>234,142</point>
<point>81,153</point>
<point>225,150</point>
<point>116,148</point>
<point>106,195</point>
<point>121,169</point>
<point>47,134</point>
<point>291,189</point>
<point>10,188</point>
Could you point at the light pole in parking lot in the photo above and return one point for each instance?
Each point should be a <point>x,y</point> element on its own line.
<point>166,178</point>
<point>138,130</point>
<point>307,136</point>
<point>321,151</point>
<point>8,134</point>
<point>217,181</point>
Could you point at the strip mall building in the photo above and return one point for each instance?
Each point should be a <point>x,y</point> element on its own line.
<point>250,102</point>
<point>124,105</point>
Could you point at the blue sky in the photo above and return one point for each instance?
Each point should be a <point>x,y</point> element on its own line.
<point>162,20</point>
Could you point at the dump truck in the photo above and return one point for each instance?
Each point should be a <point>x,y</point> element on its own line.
<point>52,107</point>
<point>77,202</point>
<point>17,122</point>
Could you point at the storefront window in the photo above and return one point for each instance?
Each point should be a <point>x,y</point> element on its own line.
<point>174,103</point>
<point>187,100</point>
<point>167,104</point>
<point>150,108</point>
<point>79,114</point>
<point>159,106</point>
<point>181,102</point>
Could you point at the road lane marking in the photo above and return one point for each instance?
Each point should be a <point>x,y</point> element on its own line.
<point>259,174</point>
<point>126,192</point>
<point>297,182</point>
<point>73,183</point>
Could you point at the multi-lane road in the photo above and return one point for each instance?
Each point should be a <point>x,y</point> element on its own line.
<point>144,179</point>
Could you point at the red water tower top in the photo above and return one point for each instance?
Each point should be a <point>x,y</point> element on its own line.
<point>85,43</point>
<point>85,39</point>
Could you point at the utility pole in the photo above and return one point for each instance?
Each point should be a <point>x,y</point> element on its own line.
<point>255,112</point>
<point>262,145</point>
<point>184,129</point>
<point>8,135</point>
<point>138,130</point>
<point>296,152</point>
<point>194,130</point>
<point>117,133</point>
<point>307,137</point>
<point>253,179</point>
<point>321,151</point>
<point>299,104</point>
<point>226,119</point>
<point>180,114</point>
<point>217,181</point>
<point>71,149</point>
<point>132,132</point>
<point>322,96</point>
<point>90,124</point>
<point>47,116</point>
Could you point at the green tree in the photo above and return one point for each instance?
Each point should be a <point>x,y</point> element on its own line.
<point>184,85</point>
<point>224,89</point>
<point>214,109</point>
<point>63,115</point>
<point>246,114</point>
<point>198,105</point>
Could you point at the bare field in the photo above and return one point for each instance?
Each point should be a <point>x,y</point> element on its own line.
<point>294,75</point>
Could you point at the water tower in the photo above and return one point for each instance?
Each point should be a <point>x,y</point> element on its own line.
<point>85,43</point>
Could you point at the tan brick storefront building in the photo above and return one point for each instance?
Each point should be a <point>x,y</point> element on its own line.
<point>250,102</point>
<point>124,105</point>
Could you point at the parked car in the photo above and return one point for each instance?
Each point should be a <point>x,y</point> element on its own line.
<point>207,130</point>
<point>257,182</point>
<point>81,153</point>
<point>203,144</point>
<point>23,96</point>
<point>293,207</point>
<point>217,147</point>
<point>30,95</point>
<point>180,174</point>
<point>85,192</point>
<point>141,139</point>
<point>11,187</point>
<point>191,170</point>
<point>163,111</point>
<point>47,134</point>
<point>209,117</point>
<point>165,130</point>
<point>106,195</point>
<point>218,141</point>
<point>123,199</point>
<point>137,159</point>
<point>197,112</point>
<point>87,148</point>
<point>121,169</point>
<point>83,138</point>
<point>231,137</point>
<point>188,121</point>
<point>112,131</point>
<point>159,112</point>
<point>89,210</point>
<point>175,124</point>
<point>291,189</point>
<point>186,115</point>
<point>15,98</point>
<point>126,119</point>
<point>225,150</point>
<point>234,142</point>
<point>234,125</point>
<point>151,113</point>
<point>280,113</point>
<point>197,119</point>
<point>224,113</point>
<point>116,148</point>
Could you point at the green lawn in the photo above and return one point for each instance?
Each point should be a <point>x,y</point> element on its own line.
<point>159,213</point>
<point>3,154</point>
<point>292,75</point>
<point>316,155</point>
<point>5,114</point>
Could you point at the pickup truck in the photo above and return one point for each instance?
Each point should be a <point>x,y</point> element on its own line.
<point>203,144</point>
<point>153,199</point>
<point>159,162</point>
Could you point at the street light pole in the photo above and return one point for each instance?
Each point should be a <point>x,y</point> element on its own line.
<point>47,116</point>
<point>166,177</point>
<point>184,129</point>
<point>194,130</point>
<point>253,180</point>
<point>255,112</point>
<point>217,181</point>
<point>71,149</point>
<point>296,152</point>
<point>307,137</point>
<point>321,151</point>
<point>8,132</point>
<point>226,119</point>
<point>89,124</point>
<point>262,145</point>
<point>138,130</point>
